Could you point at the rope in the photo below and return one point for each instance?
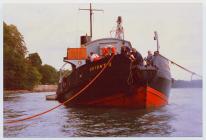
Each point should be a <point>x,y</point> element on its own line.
<point>77,94</point>
<point>193,73</point>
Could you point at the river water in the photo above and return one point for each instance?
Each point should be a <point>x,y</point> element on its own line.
<point>181,117</point>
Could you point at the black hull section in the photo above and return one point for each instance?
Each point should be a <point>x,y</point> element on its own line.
<point>162,85</point>
<point>116,81</point>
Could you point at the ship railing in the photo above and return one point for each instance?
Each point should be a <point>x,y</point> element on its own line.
<point>144,67</point>
<point>62,72</point>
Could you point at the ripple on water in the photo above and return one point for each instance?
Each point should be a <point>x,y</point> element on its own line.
<point>174,119</point>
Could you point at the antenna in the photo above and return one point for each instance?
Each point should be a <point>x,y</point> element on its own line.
<point>90,14</point>
<point>156,38</point>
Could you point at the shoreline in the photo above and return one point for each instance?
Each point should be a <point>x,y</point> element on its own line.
<point>39,88</point>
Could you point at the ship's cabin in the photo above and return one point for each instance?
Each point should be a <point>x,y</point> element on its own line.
<point>102,47</point>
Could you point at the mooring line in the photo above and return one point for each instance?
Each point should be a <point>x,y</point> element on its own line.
<point>193,73</point>
<point>77,94</point>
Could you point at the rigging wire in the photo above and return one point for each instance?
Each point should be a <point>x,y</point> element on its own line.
<point>172,62</point>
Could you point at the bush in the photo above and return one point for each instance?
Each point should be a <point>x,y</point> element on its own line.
<point>33,77</point>
<point>49,74</point>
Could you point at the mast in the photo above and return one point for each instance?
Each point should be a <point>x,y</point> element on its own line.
<point>156,38</point>
<point>119,33</point>
<point>90,14</point>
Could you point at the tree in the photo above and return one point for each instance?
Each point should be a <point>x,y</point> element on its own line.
<point>33,77</point>
<point>35,60</point>
<point>14,39</point>
<point>49,74</point>
<point>18,73</point>
<point>14,69</point>
<point>21,72</point>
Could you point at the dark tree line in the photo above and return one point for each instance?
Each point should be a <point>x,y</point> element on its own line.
<point>22,70</point>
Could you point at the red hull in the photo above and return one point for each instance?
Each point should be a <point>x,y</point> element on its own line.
<point>144,97</point>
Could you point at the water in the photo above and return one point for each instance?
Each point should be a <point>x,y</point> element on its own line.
<point>181,117</point>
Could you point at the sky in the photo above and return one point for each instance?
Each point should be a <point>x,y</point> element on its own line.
<point>49,29</point>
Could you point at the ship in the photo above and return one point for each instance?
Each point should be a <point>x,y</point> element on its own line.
<point>117,77</point>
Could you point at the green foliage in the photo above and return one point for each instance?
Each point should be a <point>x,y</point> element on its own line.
<point>14,69</point>
<point>21,72</point>
<point>13,39</point>
<point>33,78</point>
<point>35,60</point>
<point>49,74</point>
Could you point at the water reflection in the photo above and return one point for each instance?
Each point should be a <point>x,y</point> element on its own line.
<point>117,122</point>
<point>12,97</point>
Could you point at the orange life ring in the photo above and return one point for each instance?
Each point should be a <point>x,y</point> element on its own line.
<point>105,51</point>
<point>113,50</point>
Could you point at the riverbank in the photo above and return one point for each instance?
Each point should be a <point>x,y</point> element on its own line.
<point>39,88</point>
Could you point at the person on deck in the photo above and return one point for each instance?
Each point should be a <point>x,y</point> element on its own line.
<point>149,58</point>
<point>137,56</point>
<point>94,57</point>
<point>125,50</point>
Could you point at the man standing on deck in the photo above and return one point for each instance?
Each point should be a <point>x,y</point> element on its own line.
<point>137,56</point>
<point>94,57</point>
<point>149,58</point>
